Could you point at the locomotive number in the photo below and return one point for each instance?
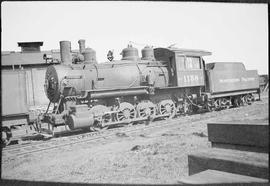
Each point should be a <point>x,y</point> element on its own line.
<point>191,78</point>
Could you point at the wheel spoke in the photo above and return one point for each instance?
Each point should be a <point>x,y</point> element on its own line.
<point>146,108</point>
<point>120,114</point>
<point>167,107</point>
<point>126,111</point>
<point>121,117</point>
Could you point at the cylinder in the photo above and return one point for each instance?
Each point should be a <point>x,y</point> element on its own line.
<point>89,55</point>
<point>65,48</point>
<point>80,117</point>
<point>81,45</point>
<point>82,120</point>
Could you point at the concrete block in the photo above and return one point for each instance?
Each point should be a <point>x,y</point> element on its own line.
<point>232,161</point>
<point>239,147</point>
<point>240,136</point>
<point>219,177</point>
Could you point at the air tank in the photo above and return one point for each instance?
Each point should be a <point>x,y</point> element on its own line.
<point>130,53</point>
<point>89,55</point>
<point>65,48</point>
<point>148,53</point>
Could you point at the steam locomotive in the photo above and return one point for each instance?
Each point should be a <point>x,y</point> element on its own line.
<point>163,83</point>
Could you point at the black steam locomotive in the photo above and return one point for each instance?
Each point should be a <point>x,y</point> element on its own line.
<point>163,83</point>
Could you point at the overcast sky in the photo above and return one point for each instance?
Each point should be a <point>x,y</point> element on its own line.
<point>231,31</point>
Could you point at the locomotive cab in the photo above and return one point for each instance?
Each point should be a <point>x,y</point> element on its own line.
<point>186,67</point>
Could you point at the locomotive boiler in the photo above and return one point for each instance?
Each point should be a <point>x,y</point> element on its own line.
<point>162,83</point>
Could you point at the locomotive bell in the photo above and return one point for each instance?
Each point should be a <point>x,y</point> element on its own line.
<point>130,53</point>
<point>89,55</point>
<point>148,53</point>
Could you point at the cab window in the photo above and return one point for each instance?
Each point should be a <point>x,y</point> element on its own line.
<point>188,62</point>
<point>192,62</point>
<point>180,62</point>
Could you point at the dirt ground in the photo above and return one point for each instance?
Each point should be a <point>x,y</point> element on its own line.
<point>147,157</point>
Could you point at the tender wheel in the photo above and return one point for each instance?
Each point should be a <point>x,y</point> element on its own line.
<point>125,111</point>
<point>236,101</point>
<point>217,104</point>
<point>101,118</point>
<point>6,137</point>
<point>249,99</point>
<point>243,101</point>
<point>167,107</point>
<point>146,108</point>
<point>210,106</point>
<point>225,103</point>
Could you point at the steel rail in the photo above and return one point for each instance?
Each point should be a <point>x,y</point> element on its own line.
<point>82,138</point>
<point>23,149</point>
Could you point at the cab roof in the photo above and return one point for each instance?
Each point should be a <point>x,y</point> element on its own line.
<point>188,52</point>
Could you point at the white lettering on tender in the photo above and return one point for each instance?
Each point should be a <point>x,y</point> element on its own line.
<point>234,80</point>
<point>229,80</point>
<point>248,79</point>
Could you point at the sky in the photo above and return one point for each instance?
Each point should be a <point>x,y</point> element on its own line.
<point>233,32</point>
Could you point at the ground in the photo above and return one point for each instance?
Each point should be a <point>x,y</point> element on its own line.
<point>157,156</point>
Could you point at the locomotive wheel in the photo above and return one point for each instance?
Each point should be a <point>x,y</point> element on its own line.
<point>146,108</point>
<point>125,111</point>
<point>167,107</point>
<point>100,118</point>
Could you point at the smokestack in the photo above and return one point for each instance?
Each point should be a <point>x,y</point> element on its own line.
<point>65,48</point>
<point>81,45</point>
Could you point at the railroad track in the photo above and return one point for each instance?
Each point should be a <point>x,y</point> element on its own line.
<point>23,149</point>
<point>19,150</point>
